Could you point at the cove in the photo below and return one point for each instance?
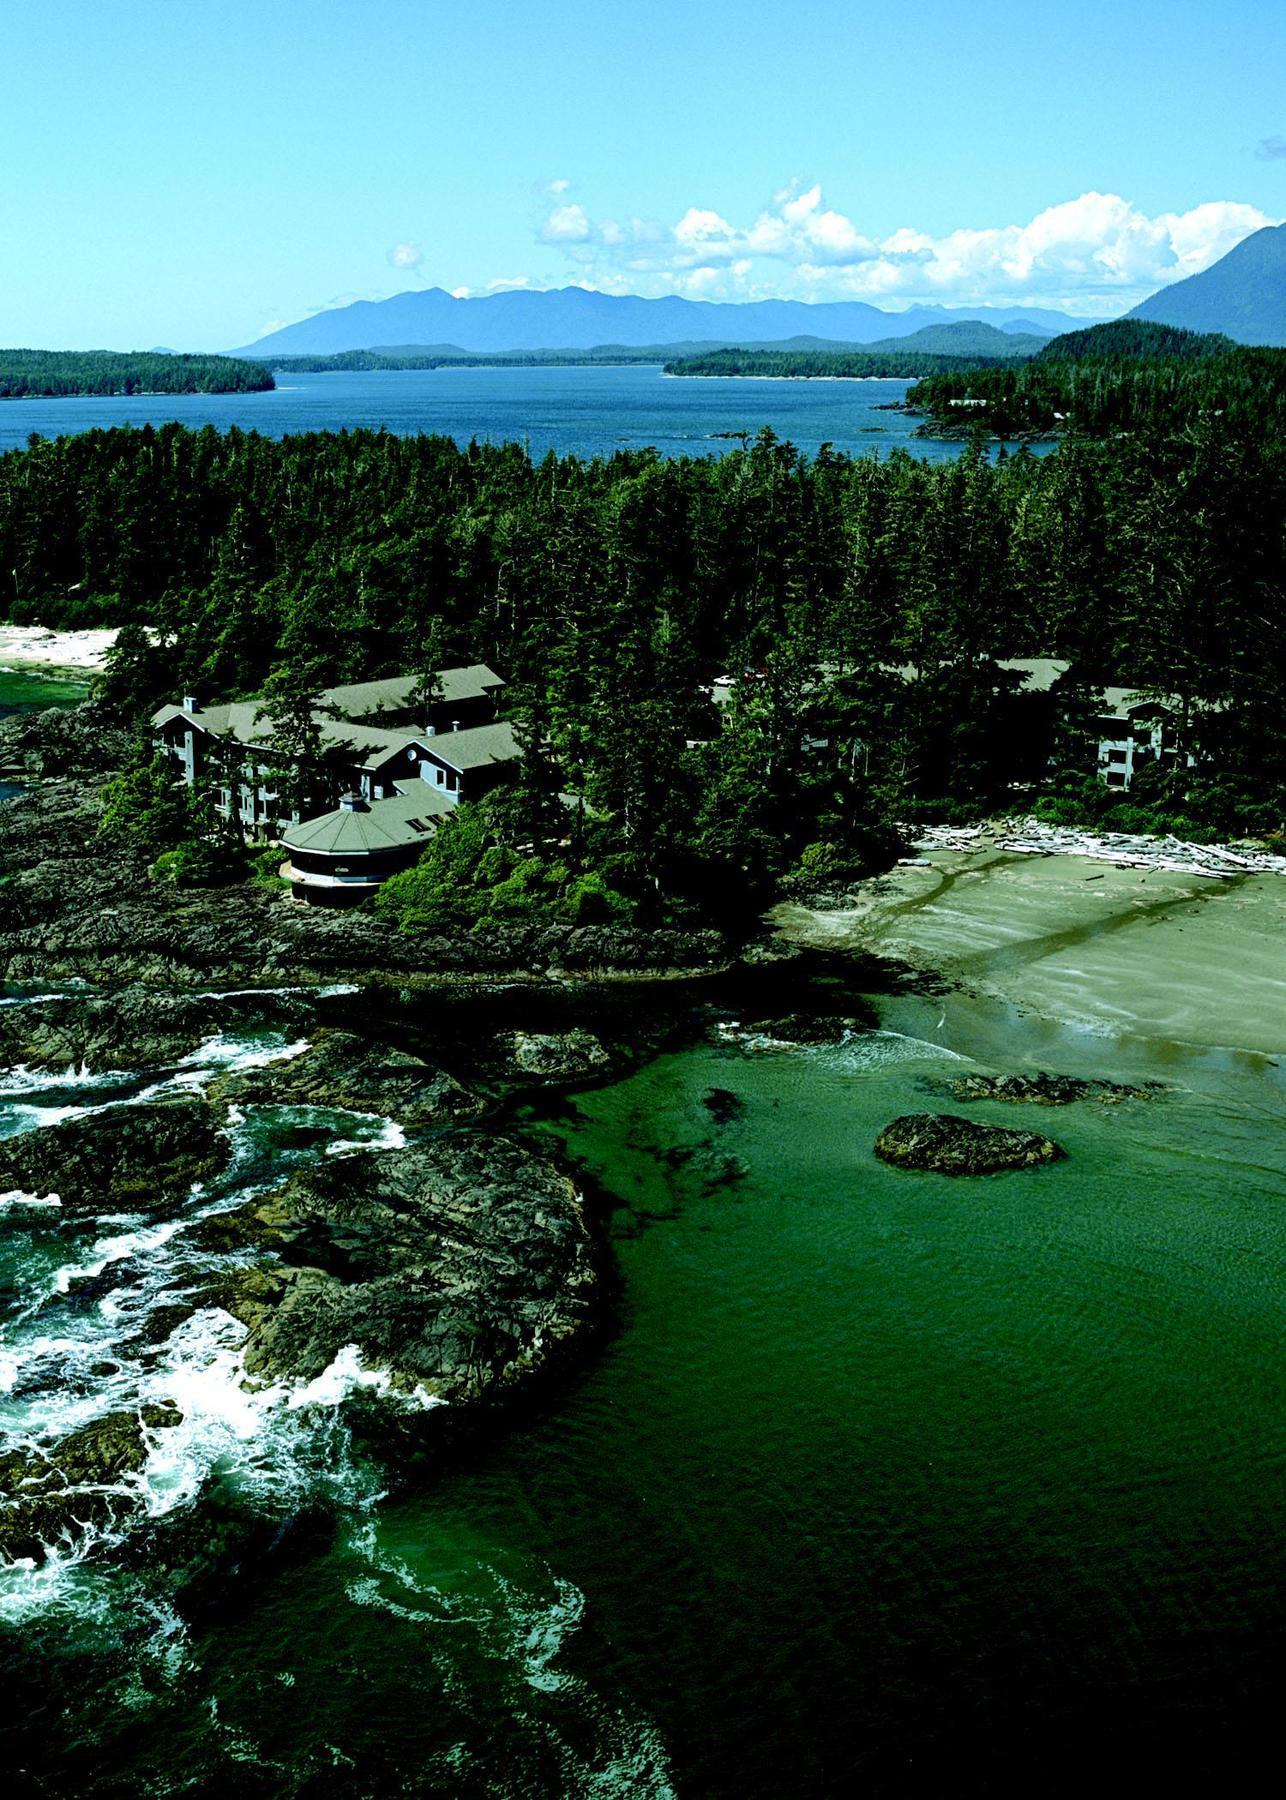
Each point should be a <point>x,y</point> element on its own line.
<point>878,1482</point>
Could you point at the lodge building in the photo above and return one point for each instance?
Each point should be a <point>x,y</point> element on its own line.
<point>391,769</point>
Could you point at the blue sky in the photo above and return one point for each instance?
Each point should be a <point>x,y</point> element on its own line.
<point>192,173</point>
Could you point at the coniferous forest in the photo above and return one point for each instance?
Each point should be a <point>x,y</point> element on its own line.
<point>26,374</point>
<point>862,603</point>
<point>1128,375</point>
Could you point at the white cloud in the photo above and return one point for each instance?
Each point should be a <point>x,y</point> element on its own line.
<point>567,224</point>
<point>1096,252</point>
<point>406,256</point>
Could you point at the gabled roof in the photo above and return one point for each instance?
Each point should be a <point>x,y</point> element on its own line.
<point>363,699</point>
<point>408,816</point>
<point>371,747</point>
<point>462,750</point>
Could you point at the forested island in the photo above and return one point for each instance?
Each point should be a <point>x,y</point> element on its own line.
<point>451,356</point>
<point>849,365</point>
<point>934,349</point>
<point>1129,375</point>
<point>32,374</point>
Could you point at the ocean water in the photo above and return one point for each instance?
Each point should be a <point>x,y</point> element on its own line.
<point>878,1483</point>
<point>585,411</point>
<point>24,693</point>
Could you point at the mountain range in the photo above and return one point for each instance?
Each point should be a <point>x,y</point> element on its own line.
<point>579,319</point>
<point>1243,294</point>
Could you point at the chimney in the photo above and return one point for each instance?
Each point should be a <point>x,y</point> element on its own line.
<point>190,703</point>
<point>352,803</point>
<point>455,724</point>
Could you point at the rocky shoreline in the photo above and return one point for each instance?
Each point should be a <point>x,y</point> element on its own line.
<point>296,1129</point>
<point>302,1131</point>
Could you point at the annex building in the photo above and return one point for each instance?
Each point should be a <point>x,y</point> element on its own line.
<point>391,769</point>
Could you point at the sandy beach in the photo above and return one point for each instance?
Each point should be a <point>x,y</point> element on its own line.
<point>34,649</point>
<point>1122,951</point>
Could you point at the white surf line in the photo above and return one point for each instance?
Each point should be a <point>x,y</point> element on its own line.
<point>1134,850</point>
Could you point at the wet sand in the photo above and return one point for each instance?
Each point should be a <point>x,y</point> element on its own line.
<point>1125,951</point>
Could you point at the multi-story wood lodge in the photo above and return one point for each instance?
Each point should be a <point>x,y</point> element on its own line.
<point>391,768</point>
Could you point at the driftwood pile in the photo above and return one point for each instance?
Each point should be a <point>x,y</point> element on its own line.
<point>1167,855</point>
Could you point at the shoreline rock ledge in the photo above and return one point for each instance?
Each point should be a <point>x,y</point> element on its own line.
<point>946,1144</point>
<point>458,1268</point>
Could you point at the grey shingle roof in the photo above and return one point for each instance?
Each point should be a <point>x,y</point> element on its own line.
<point>473,749</point>
<point>360,699</point>
<point>371,744</point>
<point>408,816</point>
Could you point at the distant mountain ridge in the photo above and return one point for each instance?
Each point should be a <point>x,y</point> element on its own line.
<point>574,318</point>
<point>1243,295</point>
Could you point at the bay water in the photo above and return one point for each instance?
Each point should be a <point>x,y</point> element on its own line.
<point>877,1483</point>
<point>574,411</point>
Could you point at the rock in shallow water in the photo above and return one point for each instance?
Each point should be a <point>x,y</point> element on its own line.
<point>137,1027</point>
<point>55,1493</point>
<point>129,1158</point>
<point>551,1056</point>
<point>947,1145</point>
<point>1043,1090</point>
<point>343,1070</point>
<point>459,1267</point>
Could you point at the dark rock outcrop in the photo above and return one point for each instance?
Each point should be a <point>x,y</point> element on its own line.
<point>128,1158</point>
<point>460,1267</point>
<point>137,1028</point>
<point>948,1145</point>
<point>54,1494</point>
<point>1042,1089</point>
<point>54,865</point>
<point>551,1056</point>
<point>809,1028</point>
<point>341,1069</point>
<point>80,740</point>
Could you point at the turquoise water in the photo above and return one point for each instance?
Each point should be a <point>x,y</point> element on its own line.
<point>23,693</point>
<point>586,411</point>
<point>877,1484</point>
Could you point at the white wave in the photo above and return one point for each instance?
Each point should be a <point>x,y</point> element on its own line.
<point>22,1079</point>
<point>113,1250</point>
<point>270,1432</point>
<point>37,1118</point>
<point>18,1197</point>
<point>873,1049</point>
<point>877,1049</point>
<point>604,1749</point>
<point>386,1134</point>
<point>220,1055</point>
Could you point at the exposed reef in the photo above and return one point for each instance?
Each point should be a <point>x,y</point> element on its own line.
<point>947,1145</point>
